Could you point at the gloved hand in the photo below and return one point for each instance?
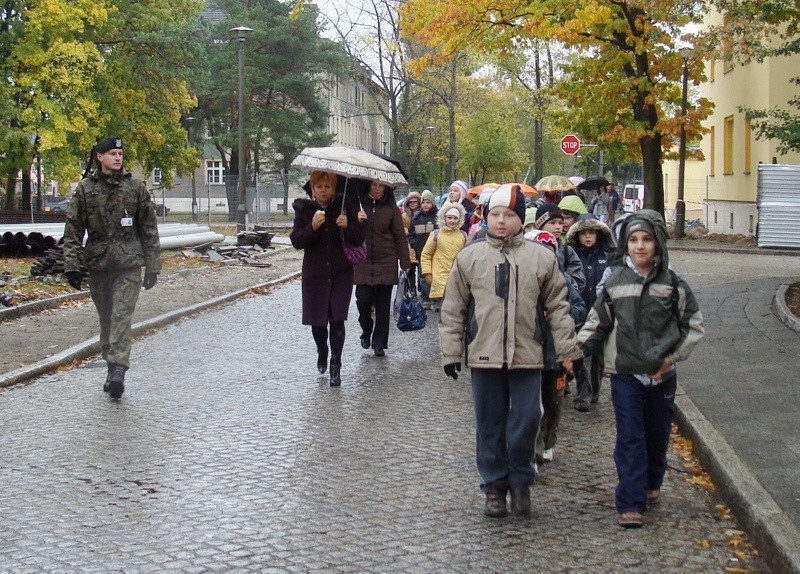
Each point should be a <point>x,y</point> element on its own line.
<point>450,370</point>
<point>74,278</point>
<point>149,280</point>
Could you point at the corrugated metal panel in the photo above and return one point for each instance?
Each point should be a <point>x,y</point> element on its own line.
<point>778,205</point>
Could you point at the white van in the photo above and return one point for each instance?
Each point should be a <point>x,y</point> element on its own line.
<point>633,197</point>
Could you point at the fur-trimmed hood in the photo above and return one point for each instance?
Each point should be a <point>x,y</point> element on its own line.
<point>605,239</point>
<point>462,214</point>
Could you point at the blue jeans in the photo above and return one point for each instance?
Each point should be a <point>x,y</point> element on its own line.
<point>644,420</point>
<point>508,407</point>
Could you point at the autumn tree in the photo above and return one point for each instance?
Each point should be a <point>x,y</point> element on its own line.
<point>78,70</point>
<point>370,36</point>
<point>287,63</point>
<point>760,30</point>
<point>624,85</point>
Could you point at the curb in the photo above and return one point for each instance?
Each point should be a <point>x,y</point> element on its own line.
<point>92,346</point>
<point>675,245</point>
<point>782,309</point>
<point>777,538</point>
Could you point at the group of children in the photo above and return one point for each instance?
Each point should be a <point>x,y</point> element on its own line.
<point>511,310</point>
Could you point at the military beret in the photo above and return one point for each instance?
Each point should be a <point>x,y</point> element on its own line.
<point>107,144</point>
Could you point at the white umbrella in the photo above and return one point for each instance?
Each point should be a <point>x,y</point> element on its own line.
<point>349,162</point>
<point>576,179</point>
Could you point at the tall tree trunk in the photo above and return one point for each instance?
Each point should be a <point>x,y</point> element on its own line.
<point>26,189</point>
<point>538,124</point>
<point>653,174</point>
<point>11,190</point>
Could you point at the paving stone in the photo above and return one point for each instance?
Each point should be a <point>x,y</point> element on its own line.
<point>228,452</point>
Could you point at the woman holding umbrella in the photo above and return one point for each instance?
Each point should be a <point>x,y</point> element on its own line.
<point>375,277</point>
<point>321,223</point>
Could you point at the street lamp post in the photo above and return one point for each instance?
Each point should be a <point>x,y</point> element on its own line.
<point>241,191</point>
<point>195,209</point>
<point>430,130</point>
<point>680,206</point>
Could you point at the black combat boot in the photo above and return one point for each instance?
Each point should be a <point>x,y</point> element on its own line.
<point>115,380</point>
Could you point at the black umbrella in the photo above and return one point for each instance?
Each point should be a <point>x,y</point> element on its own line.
<point>392,161</point>
<point>593,183</point>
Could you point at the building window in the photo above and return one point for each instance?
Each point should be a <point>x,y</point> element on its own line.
<point>751,224</point>
<point>156,176</point>
<point>727,152</point>
<point>748,137</point>
<point>715,218</point>
<point>712,150</point>
<point>215,172</point>
<point>731,221</point>
<point>711,69</point>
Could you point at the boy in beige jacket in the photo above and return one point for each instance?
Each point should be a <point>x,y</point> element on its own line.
<point>488,319</point>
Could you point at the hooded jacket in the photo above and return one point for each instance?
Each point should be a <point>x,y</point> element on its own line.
<point>441,248</point>
<point>595,259</point>
<point>638,321</point>
<point>497,330</point>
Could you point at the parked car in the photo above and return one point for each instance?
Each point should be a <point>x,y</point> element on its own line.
<point>162,210</point>
<point>61,205</point>
<point>633,197</point>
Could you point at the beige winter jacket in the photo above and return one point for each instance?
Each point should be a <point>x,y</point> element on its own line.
<point>498,331</point>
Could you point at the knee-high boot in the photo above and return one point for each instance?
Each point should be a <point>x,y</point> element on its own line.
<point>321,339</point>
<point>337,344</point>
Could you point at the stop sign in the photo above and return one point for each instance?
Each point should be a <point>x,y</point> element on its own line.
<point>570,144</point>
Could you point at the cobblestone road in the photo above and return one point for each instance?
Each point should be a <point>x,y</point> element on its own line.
<point>230,453</point>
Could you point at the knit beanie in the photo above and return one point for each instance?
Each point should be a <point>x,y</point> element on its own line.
<point>637,224</point>
<point>486,195</point>
<point>413,195</point>
<point>510,196</point>
<point>546,212</point>
<point>543,238</point>
<point>573,205</point>
<point>461,186</point>
<point>427,194</point>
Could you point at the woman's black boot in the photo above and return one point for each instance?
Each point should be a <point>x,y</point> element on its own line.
<point>322,360</point>
<point>336,379</point>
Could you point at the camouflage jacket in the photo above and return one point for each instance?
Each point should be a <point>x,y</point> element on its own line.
<point>117,213</point>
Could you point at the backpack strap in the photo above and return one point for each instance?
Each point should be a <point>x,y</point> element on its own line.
<point>675,297</point>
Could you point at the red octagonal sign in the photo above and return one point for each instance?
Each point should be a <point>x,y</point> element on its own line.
<point>570,144</point>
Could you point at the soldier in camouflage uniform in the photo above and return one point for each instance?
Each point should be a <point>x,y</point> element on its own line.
<point>116,211</point>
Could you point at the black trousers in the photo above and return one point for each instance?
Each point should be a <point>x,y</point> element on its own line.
<point>379,297</point>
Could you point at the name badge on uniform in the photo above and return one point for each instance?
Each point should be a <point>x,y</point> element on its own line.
<point>126,221</point>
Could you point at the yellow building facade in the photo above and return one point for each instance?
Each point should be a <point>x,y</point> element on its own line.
<point>722,189</point>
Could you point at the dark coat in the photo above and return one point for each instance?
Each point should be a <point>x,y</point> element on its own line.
<point>386,242</point>
<point>327,276</point>
<point>422,224</point>
<point>595,259</point>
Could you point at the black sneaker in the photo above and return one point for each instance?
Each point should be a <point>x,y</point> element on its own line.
<point>582,406</point>
<point>365,342</point>
<point>380,353</point>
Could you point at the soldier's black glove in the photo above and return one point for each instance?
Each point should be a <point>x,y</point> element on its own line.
<point>450,370</point>
<point>74,278</point>
<point>149,280</point>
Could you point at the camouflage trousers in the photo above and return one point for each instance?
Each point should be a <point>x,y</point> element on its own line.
<point>115,294</point>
